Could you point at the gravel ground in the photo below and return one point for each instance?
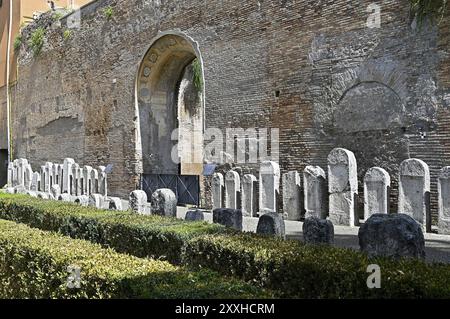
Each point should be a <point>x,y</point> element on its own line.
<point>437,247</point>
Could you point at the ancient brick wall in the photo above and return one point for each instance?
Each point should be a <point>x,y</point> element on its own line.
<point>311,68</point>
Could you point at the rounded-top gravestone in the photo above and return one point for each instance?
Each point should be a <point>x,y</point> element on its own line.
<point>164,203</point>
<point>228,217</point>
<point>195,215</point>
<point>271,224</point>
<point>318,231</point>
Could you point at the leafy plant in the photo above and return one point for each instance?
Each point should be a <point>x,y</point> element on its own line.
<point>198,75</point>
<point>37,40</point>
<point>67,34</point>
<point>108,12</point>
<point>428,9</point>
<point>56,16</point>
<point>17,42</point>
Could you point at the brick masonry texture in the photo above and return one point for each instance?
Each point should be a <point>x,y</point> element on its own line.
<point>311,68</point>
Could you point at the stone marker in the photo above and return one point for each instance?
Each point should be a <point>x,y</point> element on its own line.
<point>342,187</point>
<point>164,203</point>
<point>15,172</point>
<point>10,190</point>
<point>43,195</point>
<point>28,177</point>
<point>94,181</point>
<point>195,215</point>
<point>96,200</point>
<point>48,171</point>
<point>377,183</point>
<point>80,181</point>
<point>32,194</point>
<point>102,181</point>
<point>68,175</point>
<point>269,186</point>
<point>10,174</point>
<point>414,191</point>
<point>55,191</point>
<point>35,182</point>
<point>315,192</point>
<point>115,203</point>
<point>292,200</point>
<point>217,189</point>
<point>444,201</point>
<point>66,198</point>
<point>232,190</point>
<point>392,235</point>
<point>55,176</point>
<point>249,195</point>
<point>271,224</point>
<point>43,171</point>
<point>318,231</point>
<point>83,200</point>
<point>20,189</point>
<point>138,202</point>
<point>228,217</point>
<point>87,173</point>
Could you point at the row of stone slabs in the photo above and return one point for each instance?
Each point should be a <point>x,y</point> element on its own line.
<point>341,188</point>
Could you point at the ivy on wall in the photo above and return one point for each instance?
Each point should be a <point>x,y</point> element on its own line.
<point>428,9</point>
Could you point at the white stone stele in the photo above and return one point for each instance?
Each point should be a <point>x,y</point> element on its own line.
<point>249,196</point>
<point>68,175</point>
<point>48,171</point>
<point>342,187</point>
<point>269,186</point>
<point>377,183</point>
<point>414,191</point>
<point>74,189</point>
<point>94,181</point>
<point>102,181</point>
<point>444,201</point>
<point>232,190</point>
<point>292,203</point>
<point>22,164</point>
<point>35,182</point>
<point>315,192</point>
<point>10,174</point>
<point>138,201</point>
<point>217,190</point>
<point>28,177</point>
<point>87,171</point>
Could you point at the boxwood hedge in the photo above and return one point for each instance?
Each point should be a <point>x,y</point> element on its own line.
<point>289,267</point>
<point>34,264</point>
<point>298,270</point>
<point>141,236</point>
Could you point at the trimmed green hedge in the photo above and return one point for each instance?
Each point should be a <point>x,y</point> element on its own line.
<point>298,270</point>
<point>288,267</point>
<point>142,236</point>
<point>34,264</point>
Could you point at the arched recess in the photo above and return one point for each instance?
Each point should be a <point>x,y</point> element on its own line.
<point>170,107</point>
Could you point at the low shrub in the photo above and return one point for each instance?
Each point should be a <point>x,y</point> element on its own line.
<point>142,236</point>
<point>35,264</point>
<point>298,270</point>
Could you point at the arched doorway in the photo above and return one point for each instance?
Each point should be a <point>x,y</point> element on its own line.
<point>170,105</point>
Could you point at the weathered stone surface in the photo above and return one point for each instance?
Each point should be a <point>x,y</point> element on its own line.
<point>35,182</point>
<point>94,181</point>
<point>444,201</point>
<point>228,217</point>
<point>318,231</point>
<point>377,183</point>
<point>55,190</point>
<point>97,201</point>
<point>43,195</point>
<point>342,187</point>
<point>217,190</point>
<point>67,175</point>
<point>115,203</point>
<point>22,164</point>
<point>249,195</point>
<point>271,224</point>
<point>414,191</point>
<point>10,190</point>
<point>102,181</point>
<point>195,215</point>
<point>232,190</point>
<point>32,194</point>
<point>28,176</point>
<point>292,199</point>
<point>164,203</point>
<point>87,173</point>
<point>20,189</point>
<point>392,235</point>
<point>48,179</point>
<point>269,186</point>
<point>66,198</point>
<point>82,200</point>
<point>138,201</point>
<point>315,192</point>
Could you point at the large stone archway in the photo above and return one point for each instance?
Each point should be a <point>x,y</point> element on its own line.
<point>170,107</point>
<point>170,112</point>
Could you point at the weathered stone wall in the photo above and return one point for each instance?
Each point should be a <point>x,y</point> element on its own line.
<point>311,68</point>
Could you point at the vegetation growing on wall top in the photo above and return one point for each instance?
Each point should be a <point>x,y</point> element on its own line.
<point>428,9</point>
<point>108,12</point>
<point>37,40</point>
<point>17,42</point>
